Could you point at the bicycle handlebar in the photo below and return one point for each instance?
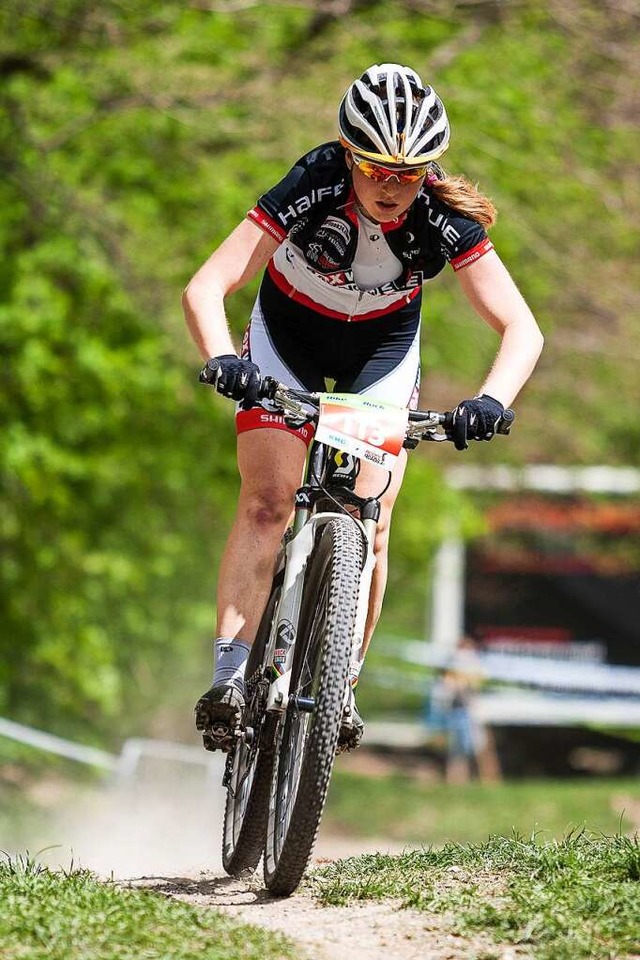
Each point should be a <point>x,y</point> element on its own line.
<point>422,423</point>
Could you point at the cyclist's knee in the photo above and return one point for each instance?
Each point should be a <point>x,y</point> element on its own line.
<point>268,509</point>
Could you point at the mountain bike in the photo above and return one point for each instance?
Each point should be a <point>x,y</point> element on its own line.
<point>277,774</point>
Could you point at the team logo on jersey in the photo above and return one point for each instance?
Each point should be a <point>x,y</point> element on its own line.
<point>298,226</point>
<point>327,262</point>
<point>449,233</point>
<point>337,233</point>
<point>338,226</point>
<point>302,204</point>
<point>338,279</point>
<point>336,242</point>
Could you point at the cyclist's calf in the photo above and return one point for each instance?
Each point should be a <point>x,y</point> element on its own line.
<point>369,484</point>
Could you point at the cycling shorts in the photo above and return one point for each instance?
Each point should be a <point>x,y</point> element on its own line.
<point>378,358</point>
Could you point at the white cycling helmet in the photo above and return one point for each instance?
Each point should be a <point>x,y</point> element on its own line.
<point>388,115</point>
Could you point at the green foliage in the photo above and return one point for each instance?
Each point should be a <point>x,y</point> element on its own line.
<point>577,897</point>
<point>49,915</point>
<point>106,577</point>
<point>132,139</point>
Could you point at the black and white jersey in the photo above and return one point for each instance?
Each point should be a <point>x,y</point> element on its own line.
<point>334,261</point>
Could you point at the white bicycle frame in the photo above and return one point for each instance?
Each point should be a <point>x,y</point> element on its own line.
<point>285,625</point>
<point>296,555</point>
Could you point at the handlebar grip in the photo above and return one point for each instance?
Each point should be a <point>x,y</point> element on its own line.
<point>209,372</point>
<point>506,422</point>
<point>267,388</point>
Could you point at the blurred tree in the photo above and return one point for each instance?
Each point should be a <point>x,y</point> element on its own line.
<point>106,574</point>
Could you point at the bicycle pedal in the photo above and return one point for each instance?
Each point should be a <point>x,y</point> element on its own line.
<point>349,740</point>
<point>219,731</point>
<point>220,737</point>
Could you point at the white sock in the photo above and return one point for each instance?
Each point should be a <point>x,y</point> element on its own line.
<point>231,660</point>
<point>354,672</point>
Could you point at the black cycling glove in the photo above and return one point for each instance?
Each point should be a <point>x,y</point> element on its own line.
<point>234,378</point>
<point>475,419</point>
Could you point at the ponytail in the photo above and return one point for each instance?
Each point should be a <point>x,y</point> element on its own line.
<point>461,195</point>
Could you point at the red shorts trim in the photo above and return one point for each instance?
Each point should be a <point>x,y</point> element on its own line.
<point>470,256</point>
<point>260,419</point>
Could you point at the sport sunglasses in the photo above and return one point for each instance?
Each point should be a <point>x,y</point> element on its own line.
<point>375,171</point>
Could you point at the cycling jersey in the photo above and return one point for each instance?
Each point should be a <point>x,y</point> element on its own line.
<point>333,266</point>
<point>313,212</point>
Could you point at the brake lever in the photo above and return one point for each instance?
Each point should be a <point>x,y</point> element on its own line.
<point>267,388</point>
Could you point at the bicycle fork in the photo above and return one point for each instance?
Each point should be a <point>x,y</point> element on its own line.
<point>284,631</point>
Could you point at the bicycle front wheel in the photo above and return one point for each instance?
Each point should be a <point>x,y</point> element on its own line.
<point>307,736</point>
<point>251,766</point>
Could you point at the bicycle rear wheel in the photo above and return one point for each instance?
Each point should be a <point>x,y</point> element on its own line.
<point>307,736</point>
<point>251,765</point>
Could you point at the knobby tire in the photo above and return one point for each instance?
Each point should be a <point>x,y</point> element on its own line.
<point>306,742</point>
<point>247,803</point>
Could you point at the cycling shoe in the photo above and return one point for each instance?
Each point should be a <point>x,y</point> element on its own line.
<point>219,716</point>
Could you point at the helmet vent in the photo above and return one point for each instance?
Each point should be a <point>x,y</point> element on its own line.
<point>388,114</point>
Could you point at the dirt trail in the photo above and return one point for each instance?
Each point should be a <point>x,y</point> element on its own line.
<point>362,931</point>
<point>125,831</point>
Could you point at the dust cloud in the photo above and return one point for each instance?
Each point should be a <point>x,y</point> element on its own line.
<point>166,820</point>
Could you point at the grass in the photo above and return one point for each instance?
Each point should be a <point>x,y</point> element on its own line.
<point>53,915</point>
<point>403,809</point>
<point>564,900</point>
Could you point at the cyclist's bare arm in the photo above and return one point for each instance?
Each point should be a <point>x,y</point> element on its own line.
<point>235,263</point>
<point>494,296</point>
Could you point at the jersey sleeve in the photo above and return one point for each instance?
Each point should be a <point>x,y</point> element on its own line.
<point>462,240</point>
<point>278,209</point>
<point>474,253</point>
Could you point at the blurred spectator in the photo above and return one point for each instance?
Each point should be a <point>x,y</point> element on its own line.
<point>450,718</point>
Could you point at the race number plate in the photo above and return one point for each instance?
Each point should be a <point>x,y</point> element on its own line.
<point>368,429</point>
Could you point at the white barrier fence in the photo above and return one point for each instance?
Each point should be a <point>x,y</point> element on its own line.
<point>518,690</point>
<point>541,672</point>
<point>124,766</point>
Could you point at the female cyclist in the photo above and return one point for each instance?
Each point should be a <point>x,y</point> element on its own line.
<point>348,238</point>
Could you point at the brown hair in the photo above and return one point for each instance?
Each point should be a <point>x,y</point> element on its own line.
<point>461,195</point>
